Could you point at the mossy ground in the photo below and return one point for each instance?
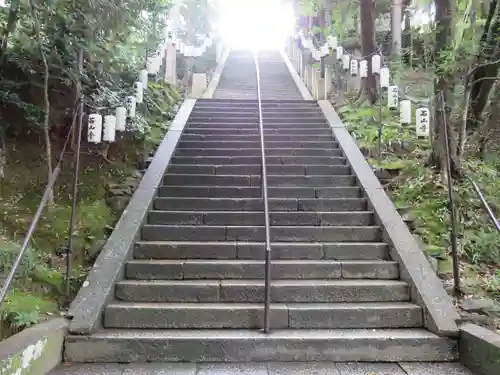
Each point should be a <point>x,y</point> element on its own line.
<point>39,287</point>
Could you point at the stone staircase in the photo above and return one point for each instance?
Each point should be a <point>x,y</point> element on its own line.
<point>194,290</point>
<point>238,79</point>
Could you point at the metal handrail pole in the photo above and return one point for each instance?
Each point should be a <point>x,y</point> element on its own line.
<point>267,281</point>
<point>38,214</point>
<point>31,230</point>
<point>485,204</point>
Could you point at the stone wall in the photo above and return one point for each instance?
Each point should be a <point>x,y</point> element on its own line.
<point>480,349</point>
<point>34,351</point>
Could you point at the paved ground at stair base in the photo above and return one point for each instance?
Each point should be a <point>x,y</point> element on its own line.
<point>269,369</point>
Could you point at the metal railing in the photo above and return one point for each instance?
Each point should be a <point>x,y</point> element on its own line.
<point>485,204</point>
<point>76,126</point>
<point>264,197</point>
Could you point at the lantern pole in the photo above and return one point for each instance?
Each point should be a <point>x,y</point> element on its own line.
<point>76,173</point>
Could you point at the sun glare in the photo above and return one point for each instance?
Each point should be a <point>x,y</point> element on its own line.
<point>255,24</point>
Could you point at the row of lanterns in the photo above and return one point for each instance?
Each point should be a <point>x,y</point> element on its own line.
<point>154,63</point>
<point>103,129</point>
<point>350,64</point>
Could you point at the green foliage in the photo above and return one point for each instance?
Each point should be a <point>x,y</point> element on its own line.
<point>115,37</point>
<point>421,189</point>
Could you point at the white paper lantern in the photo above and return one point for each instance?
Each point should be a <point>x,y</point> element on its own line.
<point>121,119</point>
<point>423,122</point>
<point>153,65</point>
<point>94,128</point>
<point>311,46</point>
<point>139,92</point>
<point>346,60</point>
<point>109,129</point>
<point>178,44</point>
<point>316,55</point>
<point>131,105</point>
<point>354,67</point>
<point>363,69</point>
<point>308,43</point>
<point>405,112</point>
<point>340,52</point>
<point>208,42</point>
<point>182,48</point>
<point>143,77</point>
<point>324,50</point>
<point>393,97</point>
<point>384,77</point>
<point>332,41</point>
<point>376,64</point>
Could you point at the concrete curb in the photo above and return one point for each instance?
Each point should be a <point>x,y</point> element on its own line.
<point>479,349</point>
<point>212,86</point>
<point>98,288</point>
<point>34,351</point>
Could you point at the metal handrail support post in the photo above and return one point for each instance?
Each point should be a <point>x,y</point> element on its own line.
<point>264,196</point>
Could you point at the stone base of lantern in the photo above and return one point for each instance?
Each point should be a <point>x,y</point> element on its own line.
<point>199,85</point>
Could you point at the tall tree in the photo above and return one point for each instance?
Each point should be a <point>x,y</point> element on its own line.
<point>443,90</point>
<point>368,47</point>
<point>487,66</point>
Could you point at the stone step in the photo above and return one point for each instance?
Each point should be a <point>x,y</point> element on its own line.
<point>256,204</point>
<point>254,108</point>
<point>255,192</point>
<point>382,345</point>
<point>268,144</point>
<point>257,218</point>
<point>256,251</point>
<point>356,233</point>
<point>342,290</point>
<point>256,137</point>
<point>249,181</point>
<point>178,269</point>
<point>248,169</point>
<point>254,125</point>
<point>305,121</point>
<point>254,113</point>
<point>250,315</point>
<point>223,103</point>
<point>321,131</point>
<point>256,160</point>
<point>256,151</point>
<point>212,102</point>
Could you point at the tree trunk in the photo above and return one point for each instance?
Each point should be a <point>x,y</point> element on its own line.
<point>406,41</point>
<point>46,120</point>
<point>443,90</point>
<point>396,32</point>
<point>368,48</point>
<point>481,81</point>
<point>491,128</point>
